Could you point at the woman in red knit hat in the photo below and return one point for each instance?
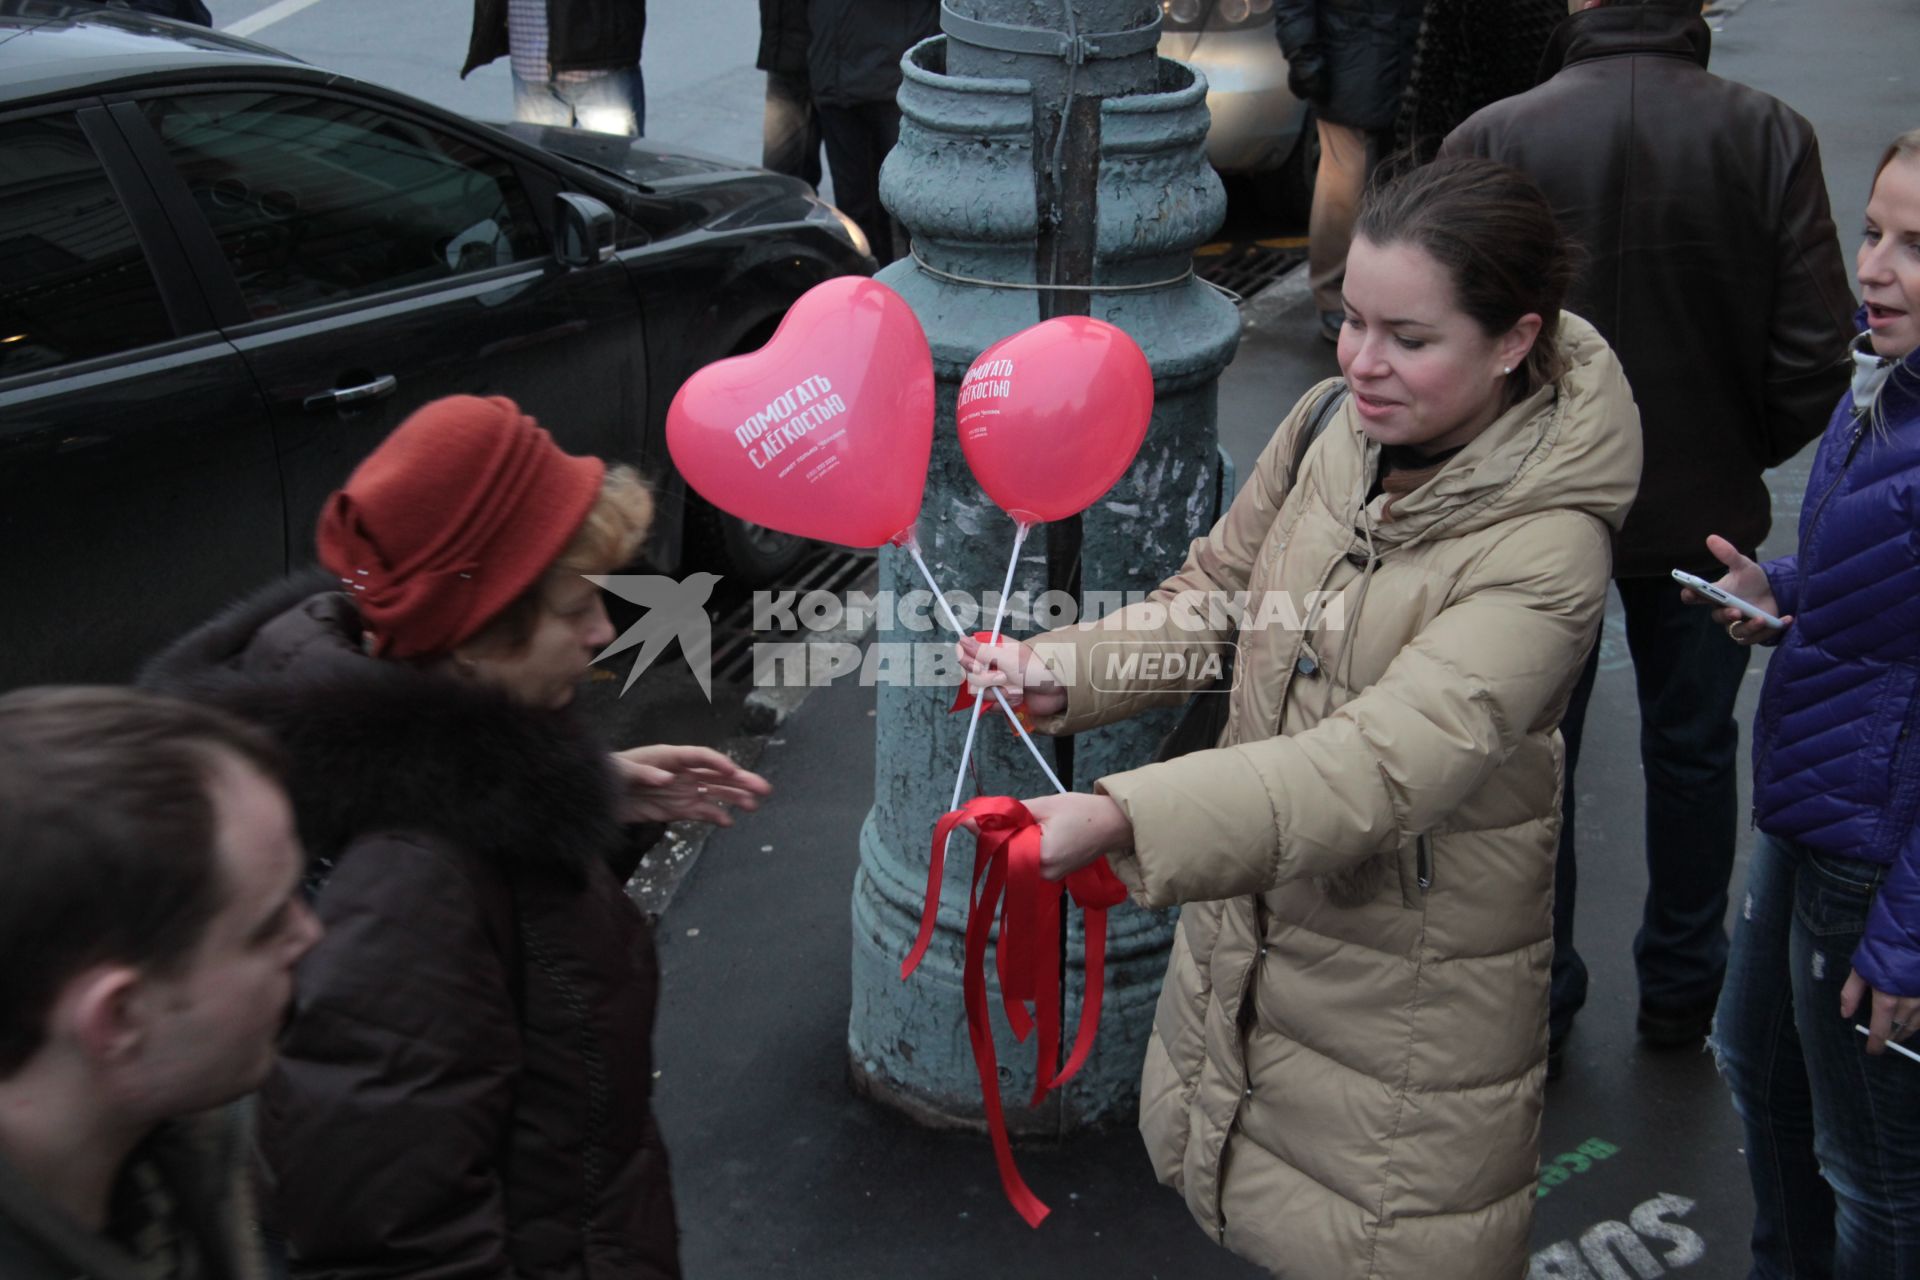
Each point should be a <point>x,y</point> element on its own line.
<point>464,1089</point>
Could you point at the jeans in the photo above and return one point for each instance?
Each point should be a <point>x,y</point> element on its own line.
<point>605,102</point>
<point>790,130</point>
<point>1687,673</point>
<point>1833,1135</point>
<point>858,137</point>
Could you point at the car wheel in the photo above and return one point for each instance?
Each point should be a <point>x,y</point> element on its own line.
<point>750,553</point>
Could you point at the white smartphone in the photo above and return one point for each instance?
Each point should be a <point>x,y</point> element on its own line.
<point>1718,596</point>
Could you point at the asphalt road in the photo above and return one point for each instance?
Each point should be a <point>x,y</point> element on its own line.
<point>702,90</point>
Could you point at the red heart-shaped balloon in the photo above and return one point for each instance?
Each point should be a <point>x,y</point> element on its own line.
<point>1050,417</point>
<point>824,432</point>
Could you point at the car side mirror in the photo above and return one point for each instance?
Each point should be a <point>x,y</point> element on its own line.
<point>583,230</point>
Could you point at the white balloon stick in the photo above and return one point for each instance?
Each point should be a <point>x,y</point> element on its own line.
<point>946,611</point>
<point>1900,1049</point>
<point>999,613</point>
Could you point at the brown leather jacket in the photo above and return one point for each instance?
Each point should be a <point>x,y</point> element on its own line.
<point>465,1088</point>
<point>1715,272</point>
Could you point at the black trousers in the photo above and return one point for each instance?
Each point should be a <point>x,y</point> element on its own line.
<point>790,130</point>
<point>1687,673</point>
<point>858,138</point>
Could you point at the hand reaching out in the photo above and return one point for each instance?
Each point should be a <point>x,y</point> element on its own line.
<point>667,783</point>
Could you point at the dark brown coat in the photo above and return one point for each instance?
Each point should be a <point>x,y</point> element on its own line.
<point>465,1089</point>
<point>1714,268</point>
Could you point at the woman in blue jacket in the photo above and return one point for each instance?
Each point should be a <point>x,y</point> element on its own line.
<point>1828,943</point>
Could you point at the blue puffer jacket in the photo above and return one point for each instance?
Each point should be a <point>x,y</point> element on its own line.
<point>1835,761</point>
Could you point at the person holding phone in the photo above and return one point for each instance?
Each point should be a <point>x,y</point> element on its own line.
<point>1347,1066</point>
<point>1829,934</point>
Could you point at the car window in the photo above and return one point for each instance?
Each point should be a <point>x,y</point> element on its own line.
<point>73,282</point>
<point>317,200</point>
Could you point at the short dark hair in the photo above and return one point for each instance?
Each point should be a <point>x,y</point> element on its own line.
<point>1494,233</point>
<point>107,834</point>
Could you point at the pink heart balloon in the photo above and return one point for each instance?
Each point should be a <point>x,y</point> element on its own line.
<point>1051,417</point>
<point>824,432</point>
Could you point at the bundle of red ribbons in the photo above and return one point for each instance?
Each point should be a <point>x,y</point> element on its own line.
<point>1006,877</point>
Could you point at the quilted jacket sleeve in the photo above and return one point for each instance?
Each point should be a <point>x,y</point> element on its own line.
<point>1180,613</point>
<point>1889,955</point>
<point>1395,761</point>
<point>1783,576</point>
<point>393,1094</point>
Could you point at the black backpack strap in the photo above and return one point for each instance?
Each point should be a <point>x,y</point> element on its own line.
<point>1317,419</point>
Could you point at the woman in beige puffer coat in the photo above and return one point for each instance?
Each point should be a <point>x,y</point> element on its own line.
<point>1345,1074</point>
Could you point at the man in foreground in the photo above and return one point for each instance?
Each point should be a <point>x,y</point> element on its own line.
<point>150,921</point>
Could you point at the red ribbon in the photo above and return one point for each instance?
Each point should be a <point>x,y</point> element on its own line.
<point>1006,877</point>
<point>963,698</point>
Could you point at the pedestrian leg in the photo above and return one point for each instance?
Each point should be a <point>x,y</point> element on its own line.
<point>790,130</point>
<point>1688,675</point>
<point>1569,970</point>
<point>605,101</point>
<point>1758,1048</point>
<point>854,154</point>
<point>883,122</point>
<point>1866,1110</point>
<point>535,102</point>
<point>1336,200</point>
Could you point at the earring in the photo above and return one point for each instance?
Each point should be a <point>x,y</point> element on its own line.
<point>1506,368</point>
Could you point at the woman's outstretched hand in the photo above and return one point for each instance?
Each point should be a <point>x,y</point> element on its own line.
<point>1746,579</point>
<point>1014,669</point>
<point>1076,829</point>
<point>667,783</point>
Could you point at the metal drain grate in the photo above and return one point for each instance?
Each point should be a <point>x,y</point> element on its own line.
<point>1248,267</point>
<point>831,569</point>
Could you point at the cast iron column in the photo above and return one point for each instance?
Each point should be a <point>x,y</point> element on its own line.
<point>991,193</point>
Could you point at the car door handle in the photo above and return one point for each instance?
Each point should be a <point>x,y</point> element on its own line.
<point>380,386</point>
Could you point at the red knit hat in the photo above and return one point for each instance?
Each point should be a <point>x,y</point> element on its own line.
<point>461,509</point>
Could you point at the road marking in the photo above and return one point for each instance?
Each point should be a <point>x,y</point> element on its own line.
<point>1557,1170</point>
<point>268,16</point>
<point>1620,1250</point>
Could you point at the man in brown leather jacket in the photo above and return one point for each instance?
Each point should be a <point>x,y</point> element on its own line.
<point>1716,274</point>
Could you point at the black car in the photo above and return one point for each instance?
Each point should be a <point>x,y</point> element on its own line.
<point>225,275</point>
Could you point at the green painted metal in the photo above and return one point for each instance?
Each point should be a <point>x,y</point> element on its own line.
<point>971,180</point>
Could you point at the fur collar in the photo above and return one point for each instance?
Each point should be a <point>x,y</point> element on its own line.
<point>381,746</point>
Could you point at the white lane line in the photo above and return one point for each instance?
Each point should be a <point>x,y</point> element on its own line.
<point>268,16</point>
